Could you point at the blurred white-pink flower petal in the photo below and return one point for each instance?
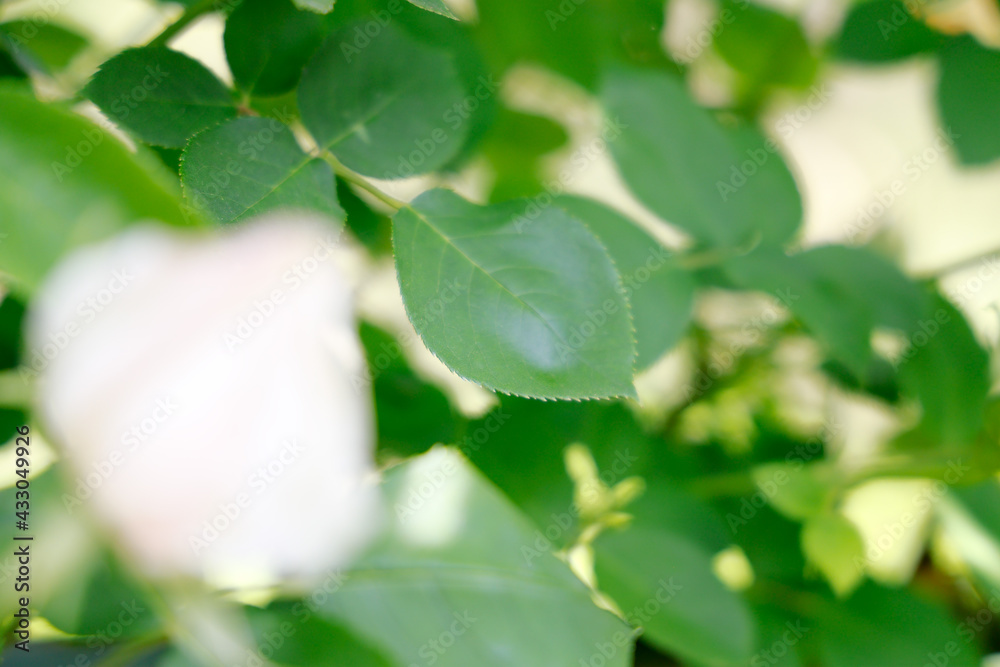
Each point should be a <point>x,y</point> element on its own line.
<point>204,391</point>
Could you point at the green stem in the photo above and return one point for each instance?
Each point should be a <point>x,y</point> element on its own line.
<point>359,182</point>
<point>190,14</point>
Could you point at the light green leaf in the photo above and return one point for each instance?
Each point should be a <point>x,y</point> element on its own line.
<point>665,584</point>
<point>682,164</point>
<point>661,294</point>
<point>523,305</point>
<point>161,96</point>
<point>268,42</point>
<point>67,182</point>
<point>251,165</point>
<point>385,108</point>
<point>832,544</point>
<point>798,491</point>
<point>452,571</point>
<point>436,6</point>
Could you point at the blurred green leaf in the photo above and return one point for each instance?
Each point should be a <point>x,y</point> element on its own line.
<point>891,628</point>
<point>765,46</point>
<point>68,183</point>
<point>45,46</point>
<point>449,583</point>
<point>681,163</point>
<point>289,633</point>
<point>840,293</point>
<point>968,96</point>
<point>11,322</point>
<point>383,105</point>
<point>250,165</point>
<point>557,323</point>
<point>945,367</point>
<point>833,545</point>
<point>660,294</point>
<point>268,42</point>
<point>799,491</point>
<point>884,30</point>
<point>161,96</point>
<point>665,584</point>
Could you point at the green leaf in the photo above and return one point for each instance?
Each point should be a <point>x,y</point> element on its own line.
<point>798,491</point>
<point>524,305</point>
<point>682,164</point>
<point>891,628</point>
<point>268,42</point>
<point>451,572</point>
<point>11,321</point>
<point>882,31</point>
<point>385,108</point>
<point>767,47</point>
<point>250,165</point>
<point>946,368</point>
<point>968,97</point>
<point>841,294</point>
<point>832,544</point>
<point>436,6</point>
<point>660,294</point>
<point>68,183</point>
<point>159,95</point>
<point>45,46</point>
<point>665,584</point>
<point>312,641</point>
<point>411,414</point>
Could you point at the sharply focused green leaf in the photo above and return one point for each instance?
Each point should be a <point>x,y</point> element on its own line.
<point>383,105</point>
<point>161,96</point>
<point>524,305</point>
<point>660,294</point>
<point>449,583</point>
<point>268,42</point>
<point>67,183</point>
<point>968,97</point>
<point>665,584</point>
<point>251,165</point>
<point>682,164</point>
